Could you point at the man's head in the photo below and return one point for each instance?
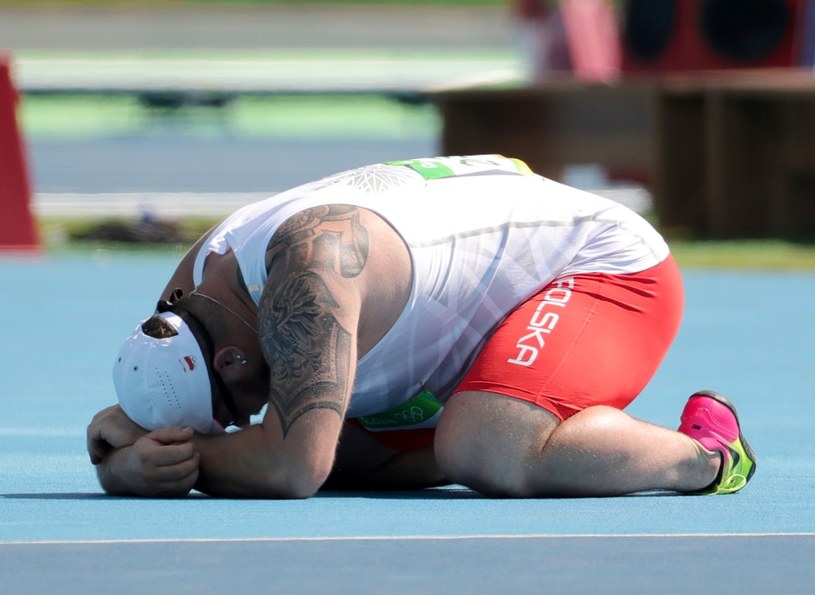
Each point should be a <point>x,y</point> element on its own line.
<point>162,377</point>
<point>187,365</point>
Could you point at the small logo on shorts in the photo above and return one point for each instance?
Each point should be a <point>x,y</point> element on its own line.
<point>543,322</point>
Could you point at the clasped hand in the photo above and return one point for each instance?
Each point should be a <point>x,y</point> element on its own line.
<point>131,460</point>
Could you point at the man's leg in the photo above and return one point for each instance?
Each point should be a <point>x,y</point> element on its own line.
<point>502,446</point>
<point>580,351</point>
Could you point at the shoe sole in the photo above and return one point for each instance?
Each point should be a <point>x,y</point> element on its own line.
<point>726,402</point>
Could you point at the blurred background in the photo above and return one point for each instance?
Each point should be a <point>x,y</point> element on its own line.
<point>188,109</point>
<point>232,98</point>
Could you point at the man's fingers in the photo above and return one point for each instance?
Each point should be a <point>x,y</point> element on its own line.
<point>110,429</point>
<point>180,487</point>
<point>171,434</point>
<point>97,449</point>
<point>176,479</point>
<point>172,454</point>
<point>177,471</point>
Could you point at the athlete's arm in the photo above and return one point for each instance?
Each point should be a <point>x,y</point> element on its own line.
<point>309,315</point>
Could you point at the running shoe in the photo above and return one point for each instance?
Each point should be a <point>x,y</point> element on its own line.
<point>711,419</point>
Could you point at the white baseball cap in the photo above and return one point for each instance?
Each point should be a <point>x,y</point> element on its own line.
<point>165,381</point>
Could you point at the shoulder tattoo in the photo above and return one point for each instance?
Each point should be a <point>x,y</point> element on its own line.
<point>329,234</point>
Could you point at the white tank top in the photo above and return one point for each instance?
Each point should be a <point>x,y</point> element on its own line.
<point>484,234</point>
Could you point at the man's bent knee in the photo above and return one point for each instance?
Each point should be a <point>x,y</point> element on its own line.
<point>486,441</point>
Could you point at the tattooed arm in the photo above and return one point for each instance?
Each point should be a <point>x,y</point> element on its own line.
<point>309,318</point>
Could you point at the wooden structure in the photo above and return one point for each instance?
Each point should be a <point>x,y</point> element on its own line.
<point>728,154</point>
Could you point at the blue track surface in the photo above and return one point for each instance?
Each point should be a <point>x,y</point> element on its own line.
<point>746,334</point>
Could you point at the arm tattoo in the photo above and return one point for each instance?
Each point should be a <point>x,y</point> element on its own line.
<point>308,351</point>
<point>307,237</point>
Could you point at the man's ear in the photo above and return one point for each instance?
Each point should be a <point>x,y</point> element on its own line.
<point>229,361</point>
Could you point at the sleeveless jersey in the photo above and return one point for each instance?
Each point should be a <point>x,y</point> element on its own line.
<point>484,234</point>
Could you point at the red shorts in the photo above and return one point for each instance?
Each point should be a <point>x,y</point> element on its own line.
<point>584,340</point>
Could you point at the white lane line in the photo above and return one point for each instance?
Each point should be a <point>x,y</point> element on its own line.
<point>410,538</point>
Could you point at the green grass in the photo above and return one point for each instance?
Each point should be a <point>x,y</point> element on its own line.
<point>746,254</point>
<point>281,117</point>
